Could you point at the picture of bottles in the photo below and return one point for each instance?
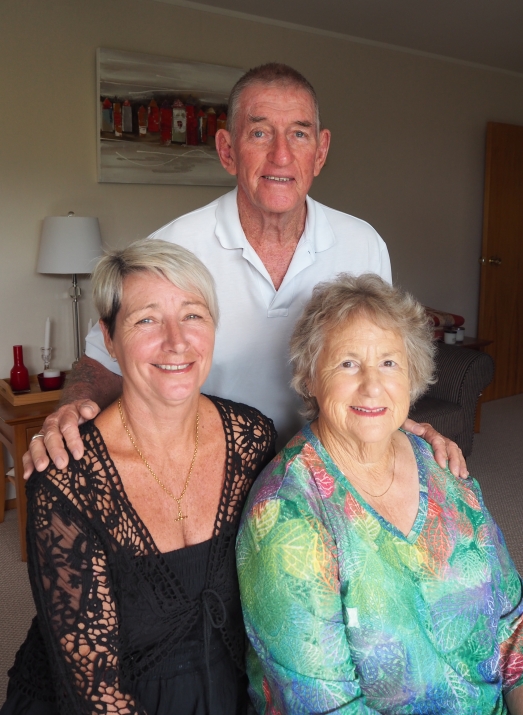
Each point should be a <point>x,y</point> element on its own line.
<point>158,118</point>
<point>163,121</point>
<point>221,122</point>
<point>192,126</point>
<point>127,117</point>
<point>153,118</point>
<point>117,114</point>
<point>166,122</point>
<point>211,127</point>
<point>202,127</point>
<point>107,116</point>
<point>142,121</point>
<point>179,122</point>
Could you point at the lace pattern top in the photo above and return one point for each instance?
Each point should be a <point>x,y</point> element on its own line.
<point>85,549</point>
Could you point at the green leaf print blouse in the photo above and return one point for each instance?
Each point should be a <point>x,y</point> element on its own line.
<point>345,614</point>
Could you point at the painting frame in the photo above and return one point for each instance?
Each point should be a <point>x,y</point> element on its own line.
<point>157,118</point>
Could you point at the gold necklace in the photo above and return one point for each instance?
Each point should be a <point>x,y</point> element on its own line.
<point>376,496</point>
<point>166,490</point>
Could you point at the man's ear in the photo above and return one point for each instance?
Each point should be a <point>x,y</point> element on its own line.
<point>225,151</point>
<point>107,339</point>
<point>322,150</point>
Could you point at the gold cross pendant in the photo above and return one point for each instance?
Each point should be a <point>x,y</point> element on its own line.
<point>180,516</point>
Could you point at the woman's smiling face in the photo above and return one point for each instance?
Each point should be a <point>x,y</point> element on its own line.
<point>163,338</point>
<point>362,382</point>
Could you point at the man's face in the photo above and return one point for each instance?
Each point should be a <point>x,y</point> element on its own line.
<point>276,150</point>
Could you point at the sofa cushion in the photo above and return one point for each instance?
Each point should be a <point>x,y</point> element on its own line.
<point>444,320</point>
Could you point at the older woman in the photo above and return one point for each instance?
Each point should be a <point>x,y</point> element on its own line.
<point>372,580</point>
<point>131,549</point>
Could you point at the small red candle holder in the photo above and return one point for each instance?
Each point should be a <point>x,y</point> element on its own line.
<point>50,383</point>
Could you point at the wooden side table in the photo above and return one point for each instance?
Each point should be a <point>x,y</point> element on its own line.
<point>17,426</point>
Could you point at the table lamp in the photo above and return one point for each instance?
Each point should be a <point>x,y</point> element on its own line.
<point>70,244</point>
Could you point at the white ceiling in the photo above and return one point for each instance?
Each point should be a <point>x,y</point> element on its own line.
<point>487,32</point>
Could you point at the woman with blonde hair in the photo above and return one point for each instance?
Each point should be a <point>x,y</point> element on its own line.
<point>131,548</point>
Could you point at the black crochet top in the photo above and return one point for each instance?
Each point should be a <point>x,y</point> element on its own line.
<point>86,546</point>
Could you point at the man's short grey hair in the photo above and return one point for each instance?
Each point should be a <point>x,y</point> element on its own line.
<point>272,74</point>
<point>347,297</point>
<point>181,267</point>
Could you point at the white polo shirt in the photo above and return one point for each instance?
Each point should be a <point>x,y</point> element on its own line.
<point>251,360</point>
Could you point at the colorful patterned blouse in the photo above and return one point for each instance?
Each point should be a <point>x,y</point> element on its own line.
<point>345,614</point>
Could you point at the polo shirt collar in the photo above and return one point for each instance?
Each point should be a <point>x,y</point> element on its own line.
<point>318,234</point>
<point>229,230</point>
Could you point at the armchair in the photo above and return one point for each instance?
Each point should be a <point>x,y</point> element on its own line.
<point>450,404</point>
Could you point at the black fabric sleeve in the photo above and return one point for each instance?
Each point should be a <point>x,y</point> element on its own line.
<point>76,609</point>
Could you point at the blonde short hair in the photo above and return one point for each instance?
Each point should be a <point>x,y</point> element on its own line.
<point>348,297</point>
<point>161,258</point>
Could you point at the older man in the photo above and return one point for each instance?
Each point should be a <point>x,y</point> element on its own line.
<point>267,244</point>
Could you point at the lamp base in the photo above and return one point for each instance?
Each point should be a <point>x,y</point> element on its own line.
<point>75,294</point>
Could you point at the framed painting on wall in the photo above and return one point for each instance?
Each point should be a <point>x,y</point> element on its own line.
<point>158,117</point>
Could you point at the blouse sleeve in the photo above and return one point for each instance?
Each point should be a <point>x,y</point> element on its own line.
<point>510,594</point>
<point>293,613</point>
<point>75,605</point>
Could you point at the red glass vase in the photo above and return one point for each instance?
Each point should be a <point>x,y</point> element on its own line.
<point>19,374</point>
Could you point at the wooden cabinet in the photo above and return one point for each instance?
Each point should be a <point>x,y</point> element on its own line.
<point>17,426</point>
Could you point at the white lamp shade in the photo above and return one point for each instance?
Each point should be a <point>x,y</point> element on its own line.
<point>69,244</point>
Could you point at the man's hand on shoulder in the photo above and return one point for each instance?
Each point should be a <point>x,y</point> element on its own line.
<point>90,387</point>
<point>445,450</point>
<point>59,426</point>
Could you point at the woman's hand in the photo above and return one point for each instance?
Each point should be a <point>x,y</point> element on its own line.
<point>444,448</point>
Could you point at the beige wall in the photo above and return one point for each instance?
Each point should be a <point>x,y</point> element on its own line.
<point>407,153</point>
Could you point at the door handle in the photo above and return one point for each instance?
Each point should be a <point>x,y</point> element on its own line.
<point>494,261</point>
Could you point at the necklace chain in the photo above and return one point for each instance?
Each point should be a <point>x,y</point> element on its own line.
<point>160,483</point>
<point>376,496</point>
